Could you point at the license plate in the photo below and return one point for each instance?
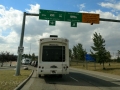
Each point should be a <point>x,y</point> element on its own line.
<point>53,72</point>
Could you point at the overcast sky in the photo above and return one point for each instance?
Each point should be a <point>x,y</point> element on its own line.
<point>11,14</point>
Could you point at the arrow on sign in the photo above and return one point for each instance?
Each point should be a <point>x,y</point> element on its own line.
<point>73,24</point>
<point>51,22</point>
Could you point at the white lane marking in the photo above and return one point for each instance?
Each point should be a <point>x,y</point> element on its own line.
<point>74,79</point>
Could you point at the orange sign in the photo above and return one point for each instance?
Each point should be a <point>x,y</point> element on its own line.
<point>90,18</point>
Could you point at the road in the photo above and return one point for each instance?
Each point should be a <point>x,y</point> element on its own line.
<point>76,80</point>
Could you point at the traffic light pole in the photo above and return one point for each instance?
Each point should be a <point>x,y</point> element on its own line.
<point>20,48</point>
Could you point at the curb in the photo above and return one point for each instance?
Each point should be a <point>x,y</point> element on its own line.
<point>24,82</point>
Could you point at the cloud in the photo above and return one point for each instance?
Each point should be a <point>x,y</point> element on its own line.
<point>81,6</point>
<point>11,21</point>
<point>9,43</point>
<point>114,6</point>
<point>8,18</point>
<point>34,8</point>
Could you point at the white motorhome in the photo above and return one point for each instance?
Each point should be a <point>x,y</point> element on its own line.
<point>26,61</point>
<point>53,58</point>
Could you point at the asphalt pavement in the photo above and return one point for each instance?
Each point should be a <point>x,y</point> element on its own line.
<point>77,79</point>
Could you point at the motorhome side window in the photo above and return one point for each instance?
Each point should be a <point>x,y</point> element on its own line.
<point>53,54</point>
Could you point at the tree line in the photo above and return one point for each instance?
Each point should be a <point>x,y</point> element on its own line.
<point>98,51</point>
<point>7,57</point>
<point>32,57</point>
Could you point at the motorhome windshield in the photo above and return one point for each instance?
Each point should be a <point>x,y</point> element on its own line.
<point>53,54</point>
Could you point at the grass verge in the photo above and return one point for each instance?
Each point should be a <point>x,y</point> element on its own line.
<point>8,81</point>
<point>114,68</point>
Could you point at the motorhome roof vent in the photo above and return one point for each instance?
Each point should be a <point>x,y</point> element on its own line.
<point>53,36</point>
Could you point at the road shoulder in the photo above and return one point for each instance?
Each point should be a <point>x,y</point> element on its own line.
<point>96,74</point>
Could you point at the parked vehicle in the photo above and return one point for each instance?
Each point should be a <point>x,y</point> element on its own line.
<point>32,63</point>
<point>35,63</point>
<point>26,61</point>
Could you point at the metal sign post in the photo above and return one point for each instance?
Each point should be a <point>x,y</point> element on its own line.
<point>20,49</point>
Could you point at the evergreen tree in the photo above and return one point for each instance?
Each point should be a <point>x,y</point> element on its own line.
<point>33,56</point>
<point>70,53</point>
<point>29,56</point>
<point>118,56</point>
<point>26,56</point>
<point>108,56</point>
<point>80,52</point>
<point>23,56</point>
<point>75,52</point>
<point>99,48</point>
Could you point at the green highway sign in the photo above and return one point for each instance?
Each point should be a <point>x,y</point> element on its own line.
<point>73,24</point>
<point>60,15</point>
<point>51,22</point>
<point>51,15</point>
<point>72,16</point>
